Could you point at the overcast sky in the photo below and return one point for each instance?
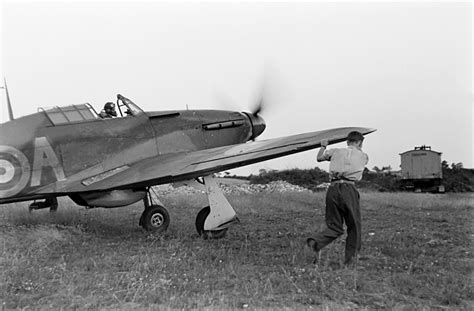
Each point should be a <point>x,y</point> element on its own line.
<point>404,68</point>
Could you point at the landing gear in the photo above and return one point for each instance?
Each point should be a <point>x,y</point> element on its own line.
<point>211,222</point>
<point>155,218</point>
<point>207,234</point>
<point>51,202</point>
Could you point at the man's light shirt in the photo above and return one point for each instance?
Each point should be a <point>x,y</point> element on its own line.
<point>346,163</point>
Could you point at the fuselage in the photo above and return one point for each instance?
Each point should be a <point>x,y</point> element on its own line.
<point>39,149</point>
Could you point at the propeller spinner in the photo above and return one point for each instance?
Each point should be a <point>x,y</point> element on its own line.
<point>258,124</point>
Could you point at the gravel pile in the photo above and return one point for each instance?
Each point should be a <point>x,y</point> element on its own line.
<point>170,189</point>
<point>275,186</point>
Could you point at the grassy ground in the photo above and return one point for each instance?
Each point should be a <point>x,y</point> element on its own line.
<point>417,253</point>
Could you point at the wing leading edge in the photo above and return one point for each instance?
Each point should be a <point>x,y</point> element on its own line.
<point>186,165</point>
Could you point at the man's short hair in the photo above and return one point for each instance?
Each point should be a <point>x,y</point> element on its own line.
<point>354,137</point>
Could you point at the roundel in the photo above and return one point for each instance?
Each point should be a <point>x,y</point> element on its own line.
<point>14,171</point>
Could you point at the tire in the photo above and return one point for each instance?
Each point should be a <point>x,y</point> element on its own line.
<point>155,219</point>
<point>207,234</point>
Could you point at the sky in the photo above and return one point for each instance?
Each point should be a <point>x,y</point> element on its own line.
<point>404,68</point>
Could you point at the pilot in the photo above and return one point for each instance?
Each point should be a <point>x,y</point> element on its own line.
<point>108,111</point>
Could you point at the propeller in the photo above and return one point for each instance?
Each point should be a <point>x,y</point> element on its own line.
<point>257,109</point>
<point>267,92</point>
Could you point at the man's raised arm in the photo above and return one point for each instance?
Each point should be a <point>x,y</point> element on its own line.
<point>321,156</point>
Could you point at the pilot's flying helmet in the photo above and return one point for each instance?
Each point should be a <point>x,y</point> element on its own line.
<point>110,109</point>
<point>109,106</point>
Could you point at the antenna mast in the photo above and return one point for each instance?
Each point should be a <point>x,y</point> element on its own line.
<point>10,111</point>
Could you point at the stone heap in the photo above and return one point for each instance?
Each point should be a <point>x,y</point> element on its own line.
<point>274,186</point>
<point>170,189</point>
<point>323,186</point>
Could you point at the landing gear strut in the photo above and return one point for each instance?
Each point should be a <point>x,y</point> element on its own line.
<point>155,218</point>
<point>212,221</point>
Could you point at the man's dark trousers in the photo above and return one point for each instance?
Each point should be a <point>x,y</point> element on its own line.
<point>342,205</point>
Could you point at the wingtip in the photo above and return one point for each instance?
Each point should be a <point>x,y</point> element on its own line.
<point>364,130</point>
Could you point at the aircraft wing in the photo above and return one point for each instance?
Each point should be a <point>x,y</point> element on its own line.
<point>181,166</point>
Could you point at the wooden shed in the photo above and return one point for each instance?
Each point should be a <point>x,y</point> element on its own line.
<point>421,169</point>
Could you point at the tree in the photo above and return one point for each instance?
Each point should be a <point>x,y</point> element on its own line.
<point>445,164</point>
<point>456,166</point>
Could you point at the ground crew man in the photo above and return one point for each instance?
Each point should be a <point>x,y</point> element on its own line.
<point>108,111</point>
<point>342,198</point>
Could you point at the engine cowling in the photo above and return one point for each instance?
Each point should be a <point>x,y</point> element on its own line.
<point>108,199</point>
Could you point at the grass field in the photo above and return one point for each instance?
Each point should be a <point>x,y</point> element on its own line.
<point>417,254</point>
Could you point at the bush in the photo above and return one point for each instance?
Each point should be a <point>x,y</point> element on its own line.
<point>455,179</point>
<point>458,179</point>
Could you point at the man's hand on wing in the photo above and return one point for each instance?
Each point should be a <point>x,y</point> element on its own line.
<point>320,157</point>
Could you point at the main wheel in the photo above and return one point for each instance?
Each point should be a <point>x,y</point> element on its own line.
<point>207,234</point>
<point>155,218</point>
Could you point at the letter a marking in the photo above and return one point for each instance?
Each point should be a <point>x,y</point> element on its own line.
<point>44,157</point>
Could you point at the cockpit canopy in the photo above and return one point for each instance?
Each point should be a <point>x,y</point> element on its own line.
<point>126,107</point>
<point>85,112</point>
<point>68,114</point>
